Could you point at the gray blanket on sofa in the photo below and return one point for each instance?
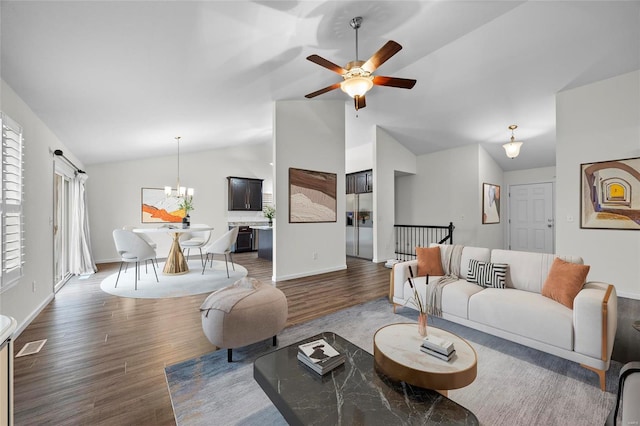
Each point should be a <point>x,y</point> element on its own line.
<point>451,269</point>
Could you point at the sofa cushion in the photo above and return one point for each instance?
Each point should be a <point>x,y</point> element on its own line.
<point>527,271</point>
<point>564,282</point>
<point>524,313</point>
<point>468,252</point>
<point>455,297</point>
<point>429,262</point>
<point>479,253</point>
<point>487,274</point>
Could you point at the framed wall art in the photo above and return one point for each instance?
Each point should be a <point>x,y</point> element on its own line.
<point>312,196</point>
<point>610,194</point>
<point>490,203</point>
<point>158,208</point>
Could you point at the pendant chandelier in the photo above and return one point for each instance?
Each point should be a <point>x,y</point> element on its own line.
<point>512,148</point>
<point>181,191</point>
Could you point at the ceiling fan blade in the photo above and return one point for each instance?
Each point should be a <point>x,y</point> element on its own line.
<point>321,91</point>
<point>327,64</point>
<point>403,83</point>
<point>381,56</point>
<point>359,102</point>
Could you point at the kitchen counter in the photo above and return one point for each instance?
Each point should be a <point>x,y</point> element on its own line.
<point>248,223</point>
<point>265,242</point>
<point>7,327</point>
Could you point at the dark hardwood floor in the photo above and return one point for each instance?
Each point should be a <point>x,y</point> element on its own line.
<point>103,363</point>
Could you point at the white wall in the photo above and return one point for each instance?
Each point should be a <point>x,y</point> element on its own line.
<point>597,122</point>
<point>114,191</point>
<point>491,235</point>
<point>360,136</point>
<point>390,157</point>
<point>22,302</point>
<point>521,177</point>
<point>308,135</point>
<point>445,189</point>
<point>359,158</point>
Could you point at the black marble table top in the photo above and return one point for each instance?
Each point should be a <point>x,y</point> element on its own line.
<point>352,394</point>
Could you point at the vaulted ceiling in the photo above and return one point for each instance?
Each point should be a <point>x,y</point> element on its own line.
<point>118,80</point>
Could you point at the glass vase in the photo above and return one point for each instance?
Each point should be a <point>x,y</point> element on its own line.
<point>422,324</point>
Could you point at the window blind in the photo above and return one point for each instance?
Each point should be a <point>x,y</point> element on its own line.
<point>11,217</point>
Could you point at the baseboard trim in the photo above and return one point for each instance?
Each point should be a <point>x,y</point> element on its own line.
<point>32,316</point>
<point>308,273</point>
<point>627,295</point>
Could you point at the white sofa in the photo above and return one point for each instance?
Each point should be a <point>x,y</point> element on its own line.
<point>519,312</point>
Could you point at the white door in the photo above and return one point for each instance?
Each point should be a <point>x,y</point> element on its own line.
<point>61,227</point>
<point>531,217</point>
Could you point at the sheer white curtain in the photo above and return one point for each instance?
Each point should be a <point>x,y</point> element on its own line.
<point>80,257</point>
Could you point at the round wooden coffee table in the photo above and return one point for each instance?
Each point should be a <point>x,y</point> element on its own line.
<point>397,354</point>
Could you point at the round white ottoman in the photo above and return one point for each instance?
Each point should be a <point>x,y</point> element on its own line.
<point>245,312</point>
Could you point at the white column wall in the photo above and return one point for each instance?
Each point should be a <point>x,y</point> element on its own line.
<point>390,157</point>
<point>597,122</point>
<point>308,135</point>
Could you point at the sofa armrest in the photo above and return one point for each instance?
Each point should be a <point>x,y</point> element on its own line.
<point>400,276</point>
<point>595,320</point>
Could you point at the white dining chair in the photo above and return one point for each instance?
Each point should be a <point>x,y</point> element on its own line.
<point>145,237</point>
<point>133,249</point>
<point>195,239</point>
<point>222,246</point>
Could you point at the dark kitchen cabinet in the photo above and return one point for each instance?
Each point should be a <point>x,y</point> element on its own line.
<point>360,182</point>
<point>245,240</point>
<point>245,193</point>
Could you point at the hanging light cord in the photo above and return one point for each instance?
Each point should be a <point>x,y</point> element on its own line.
<point>178,187</point>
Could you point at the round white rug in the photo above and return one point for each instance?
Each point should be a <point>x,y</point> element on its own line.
<point>193,282</point>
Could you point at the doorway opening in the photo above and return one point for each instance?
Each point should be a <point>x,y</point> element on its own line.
<point>61,225</point>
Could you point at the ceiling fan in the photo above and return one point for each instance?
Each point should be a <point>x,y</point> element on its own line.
<point>357,75</point>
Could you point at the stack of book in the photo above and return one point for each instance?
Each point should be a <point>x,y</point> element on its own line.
<point>391,262</point>
<point>320,356</point>
<point>438,347</point>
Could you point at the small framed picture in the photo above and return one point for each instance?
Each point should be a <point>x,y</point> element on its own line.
<point>490,203</point>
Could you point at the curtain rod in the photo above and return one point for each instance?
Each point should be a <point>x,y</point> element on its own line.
<point>59,153</point>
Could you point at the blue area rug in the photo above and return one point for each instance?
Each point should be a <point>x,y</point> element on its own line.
<point>516,385</point>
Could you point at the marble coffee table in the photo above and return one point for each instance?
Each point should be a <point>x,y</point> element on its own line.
<point>396,349</point>
<point>353,393</point>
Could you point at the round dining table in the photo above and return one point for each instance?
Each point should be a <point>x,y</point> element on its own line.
<point>176,264</point>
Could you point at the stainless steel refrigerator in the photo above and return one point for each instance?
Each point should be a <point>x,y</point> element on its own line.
<point>360,225</point>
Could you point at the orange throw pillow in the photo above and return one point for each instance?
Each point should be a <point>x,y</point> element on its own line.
<point>564,282</point>
<point>429,261</point>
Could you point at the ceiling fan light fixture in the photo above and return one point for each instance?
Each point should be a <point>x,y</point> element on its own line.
<point>512,148</point>
<point>357,86</point>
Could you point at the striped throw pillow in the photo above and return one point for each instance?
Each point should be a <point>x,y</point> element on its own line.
<point>487,274</point>
<point>472,274</point>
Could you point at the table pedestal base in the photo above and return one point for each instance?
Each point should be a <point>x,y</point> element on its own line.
<point>176,263</point>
